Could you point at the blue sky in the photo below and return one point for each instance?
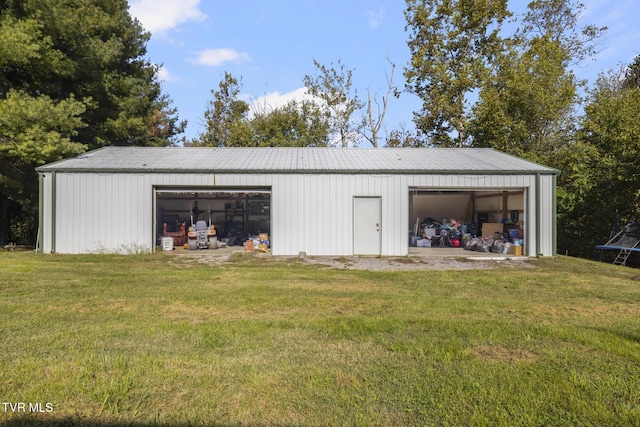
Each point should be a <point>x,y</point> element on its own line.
<point>272,45</point>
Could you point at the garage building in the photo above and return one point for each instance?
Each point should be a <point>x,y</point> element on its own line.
<point>322,201</point>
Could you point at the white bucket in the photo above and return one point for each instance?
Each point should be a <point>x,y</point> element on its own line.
<point>167,243</point>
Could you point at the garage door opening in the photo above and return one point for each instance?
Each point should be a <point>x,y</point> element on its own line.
<point>237,214</point>
<point>464,215</point>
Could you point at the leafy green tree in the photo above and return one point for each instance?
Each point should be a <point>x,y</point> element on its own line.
<point>528,105</point>
<point>452,44</point>
<point>602,166</point>
<point>73,77</point>
<point>611,125</point>
<point>527,110</point>
<point>333,87</point>
<point>33,131</point>
<point>403,137</point>
<point>226,117</point>
<point>230,124</point>
<point>296,124</point>
<point>95,51</point>
<point>632,74</point>
<point>558,20</point>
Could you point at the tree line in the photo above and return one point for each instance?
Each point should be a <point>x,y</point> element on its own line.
<point>75,77</point>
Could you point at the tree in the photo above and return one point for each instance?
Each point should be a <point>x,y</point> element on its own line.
<point>611,126</point>
<point>226,117</point>
<point>453,44</point>
<point>296,124</point>
<point>73,77</point>
<point>527,110</point>
<point>528,106</point>
<point>375,120</point>
<point>600,167</point>
<point>95,51</point>
<point>632,74</point>
<point>230,124</point>
<point>558,20</point>
<point>34,131</point>
<point>403,137</point>
<point>334,88</point>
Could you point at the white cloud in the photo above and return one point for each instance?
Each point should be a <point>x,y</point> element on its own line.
<point>217,57</point>
<point>164,75</point>
<point>273,100</point>
<point>157,16</point>
<point>375,18</point>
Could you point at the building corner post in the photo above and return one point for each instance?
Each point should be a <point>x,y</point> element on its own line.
<point>53,212</point>
<point>538,212</point>
<point>554,213</point>
<point>39,243</point>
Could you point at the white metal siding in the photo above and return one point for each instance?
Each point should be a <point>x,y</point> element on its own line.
<point>47,211</point>
<point>108,212</point>
<point>546,215</point>
<point>309,212</point>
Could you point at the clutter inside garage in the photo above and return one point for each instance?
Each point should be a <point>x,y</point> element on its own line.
<point>210,219</point>
<point>483,221</point>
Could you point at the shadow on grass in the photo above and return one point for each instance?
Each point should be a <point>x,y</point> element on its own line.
<point>72,422</point>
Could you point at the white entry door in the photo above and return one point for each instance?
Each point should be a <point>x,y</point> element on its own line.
<point>366,226</point>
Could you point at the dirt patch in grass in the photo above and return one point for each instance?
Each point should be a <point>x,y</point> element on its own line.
<point>499,354</point>
<point>406,260</point>
<point>239,257</point>
<point>410,263</point>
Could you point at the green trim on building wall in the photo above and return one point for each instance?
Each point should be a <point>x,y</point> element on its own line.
<point>538,211</point>
<point>40,211</point>
<point>554,213</point>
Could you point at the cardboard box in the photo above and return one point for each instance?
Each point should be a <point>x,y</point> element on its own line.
<point>515,250</point>
<point>489,229</point>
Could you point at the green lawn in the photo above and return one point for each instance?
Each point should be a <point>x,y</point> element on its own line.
<point>105,340</point>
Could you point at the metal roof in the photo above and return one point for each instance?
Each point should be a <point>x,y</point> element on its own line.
<point>298,160</point>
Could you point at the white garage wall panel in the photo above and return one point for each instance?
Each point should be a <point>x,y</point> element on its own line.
<point>546,217</point>
<point>108,212</point>
<point>47,211</point>
<point>95,211</point>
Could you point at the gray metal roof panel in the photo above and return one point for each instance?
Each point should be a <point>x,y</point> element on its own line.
<point>297,160</point>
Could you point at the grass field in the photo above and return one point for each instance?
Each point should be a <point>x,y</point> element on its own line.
<point>141,340</point>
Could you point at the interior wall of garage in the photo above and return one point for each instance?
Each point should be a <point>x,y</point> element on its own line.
<point>464,205</point>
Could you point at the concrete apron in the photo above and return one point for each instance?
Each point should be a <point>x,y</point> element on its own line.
<point>460,253</point>
<point>425,253</point>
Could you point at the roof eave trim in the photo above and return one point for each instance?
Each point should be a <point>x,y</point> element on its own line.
<point>50,167</point>
<point>302,171</point>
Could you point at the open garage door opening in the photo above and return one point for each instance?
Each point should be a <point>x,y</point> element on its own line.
<point>238,214</point>
<point>451,218</point>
